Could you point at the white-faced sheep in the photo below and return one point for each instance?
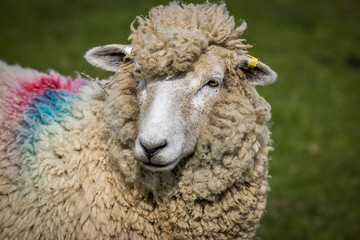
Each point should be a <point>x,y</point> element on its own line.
<point>175,147</point>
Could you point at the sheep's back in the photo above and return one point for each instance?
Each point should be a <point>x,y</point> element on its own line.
<point>33,108</point>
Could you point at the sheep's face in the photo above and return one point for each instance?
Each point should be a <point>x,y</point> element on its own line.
<point>172,111</point>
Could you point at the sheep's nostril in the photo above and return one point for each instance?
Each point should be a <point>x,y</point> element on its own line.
<point>152,149</point>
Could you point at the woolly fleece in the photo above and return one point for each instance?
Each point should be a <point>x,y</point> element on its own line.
<point>75,177</point>
<point>174,36</point>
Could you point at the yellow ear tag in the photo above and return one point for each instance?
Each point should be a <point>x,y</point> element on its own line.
<point>253,63</point>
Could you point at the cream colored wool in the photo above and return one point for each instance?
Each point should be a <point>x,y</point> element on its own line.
<point>173,37</point>
<point>93,188</point>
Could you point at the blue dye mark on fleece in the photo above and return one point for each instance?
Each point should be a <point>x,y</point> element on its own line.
<point>52,107</point>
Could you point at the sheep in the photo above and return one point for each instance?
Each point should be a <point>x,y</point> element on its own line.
<point>175,145</point>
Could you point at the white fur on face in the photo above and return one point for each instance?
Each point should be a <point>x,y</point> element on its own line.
<point>172,111</point>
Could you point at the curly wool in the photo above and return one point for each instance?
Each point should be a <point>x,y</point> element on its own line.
<point>174,36</point>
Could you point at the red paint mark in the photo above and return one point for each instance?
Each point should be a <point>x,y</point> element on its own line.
<point>20,97</point>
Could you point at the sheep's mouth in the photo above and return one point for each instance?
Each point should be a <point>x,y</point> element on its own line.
<point>159,167</point>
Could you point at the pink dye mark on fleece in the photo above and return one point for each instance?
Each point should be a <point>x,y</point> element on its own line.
<point>52,81</point>
<point>29,88</point>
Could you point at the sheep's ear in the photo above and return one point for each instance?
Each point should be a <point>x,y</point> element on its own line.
<point>256,72</point>
<point>108,57</point>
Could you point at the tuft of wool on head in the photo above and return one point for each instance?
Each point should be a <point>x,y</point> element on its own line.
<point>172,37</point>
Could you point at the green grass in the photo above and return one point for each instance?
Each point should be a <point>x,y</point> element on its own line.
<point>314,47</point>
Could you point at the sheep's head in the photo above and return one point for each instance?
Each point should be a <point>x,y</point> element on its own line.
<point>180,76</point>
<point>174,108</point>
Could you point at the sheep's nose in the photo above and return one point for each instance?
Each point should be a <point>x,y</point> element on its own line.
<point>151,149</point>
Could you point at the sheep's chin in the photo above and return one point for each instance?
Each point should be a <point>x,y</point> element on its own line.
<point>160,168</point>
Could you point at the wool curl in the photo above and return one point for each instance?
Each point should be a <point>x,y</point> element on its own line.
<point>173,37</point>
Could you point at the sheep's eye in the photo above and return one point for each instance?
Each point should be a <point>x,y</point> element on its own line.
<point>212,83</point>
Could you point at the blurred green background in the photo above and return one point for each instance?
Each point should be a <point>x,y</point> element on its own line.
<point>312,45</point>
